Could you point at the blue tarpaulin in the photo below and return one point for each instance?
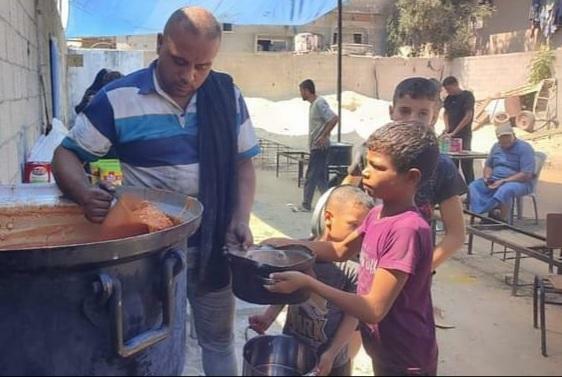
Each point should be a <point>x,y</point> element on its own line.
<point>96,18</point>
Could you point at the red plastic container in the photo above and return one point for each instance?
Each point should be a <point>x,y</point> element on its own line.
<point>38,172</point>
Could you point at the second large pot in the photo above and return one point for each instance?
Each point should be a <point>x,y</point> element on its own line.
<point>251,271</point>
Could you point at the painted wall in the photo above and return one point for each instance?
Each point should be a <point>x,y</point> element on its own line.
<point>24,57</point>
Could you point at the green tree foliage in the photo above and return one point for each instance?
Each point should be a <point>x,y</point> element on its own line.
<point>542,65</point>
<point>436,26</point>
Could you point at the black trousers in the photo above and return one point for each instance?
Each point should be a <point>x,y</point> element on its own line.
<point>467,165</point>
<point>316,176</point>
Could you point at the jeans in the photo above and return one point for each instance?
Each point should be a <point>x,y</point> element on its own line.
<point>316,176</point>
<point>467,165</point>
<point>213,314</point>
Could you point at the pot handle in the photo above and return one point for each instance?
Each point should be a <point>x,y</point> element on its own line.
<point>109,289</point>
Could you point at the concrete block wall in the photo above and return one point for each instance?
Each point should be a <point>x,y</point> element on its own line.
<point>25,28</point>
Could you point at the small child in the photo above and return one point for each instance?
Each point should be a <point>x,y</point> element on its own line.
<point>317,322</point>
<point>394,294</point>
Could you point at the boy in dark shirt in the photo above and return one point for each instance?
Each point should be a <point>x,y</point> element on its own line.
<point>417,99</point>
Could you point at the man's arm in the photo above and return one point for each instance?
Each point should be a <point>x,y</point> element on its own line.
<point>519,177</point>
<point>453,220</point>
<point>446,120</point>
<point>328,127</point>
<point>465,122</point>
<point>72,180</point>
<point>239,232</point>
<point>488,171</point>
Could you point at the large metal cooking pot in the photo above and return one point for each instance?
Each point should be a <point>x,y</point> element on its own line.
<point>279,355</point>
<point>98,308</point>
<point>251,270</point>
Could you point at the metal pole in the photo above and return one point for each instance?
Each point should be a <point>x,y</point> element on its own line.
<point>340,60</point>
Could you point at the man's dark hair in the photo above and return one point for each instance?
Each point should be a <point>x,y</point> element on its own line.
<point>410,145</point>
<point>451,80</point>
<point>308,85</point>
<point>416,88</point>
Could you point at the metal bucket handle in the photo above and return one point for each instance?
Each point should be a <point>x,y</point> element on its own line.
<point>109,288</point>
<point>248,328</point>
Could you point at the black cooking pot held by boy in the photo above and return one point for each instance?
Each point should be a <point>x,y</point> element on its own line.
<point>251,270</point>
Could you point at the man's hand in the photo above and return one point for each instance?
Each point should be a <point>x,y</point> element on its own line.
<point>260,323</point>
<point>496,185</point>
<point>96,202</point>
<point>288,282</point>
<point>326,364</point>
<point>323,142</point>
<point>239,234</point>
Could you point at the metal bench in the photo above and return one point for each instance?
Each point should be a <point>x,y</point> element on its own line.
<point>523,244</point>
<point>300,157</point>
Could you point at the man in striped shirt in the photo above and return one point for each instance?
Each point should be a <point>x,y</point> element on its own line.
<point>160,122</point>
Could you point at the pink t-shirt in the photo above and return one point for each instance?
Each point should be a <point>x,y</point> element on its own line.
<point>405,338</point>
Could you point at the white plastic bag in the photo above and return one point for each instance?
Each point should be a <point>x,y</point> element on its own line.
<point>44,148</point>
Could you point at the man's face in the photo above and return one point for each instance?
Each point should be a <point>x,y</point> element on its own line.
<point>184,61</point>
<point>506,141</point>
<point>342,219</point>
<point>304,94</point>
<point>407,109</point>
<point>381,179</point>
<point>452,89</point>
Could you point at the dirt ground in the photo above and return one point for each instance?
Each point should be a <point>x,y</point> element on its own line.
<point>493,332</point>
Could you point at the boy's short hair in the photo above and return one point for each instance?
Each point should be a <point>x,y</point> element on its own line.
<point>350,195</point>
<point>416,88</point>
<point>308,85</point>
<point>410,145</point>
<point>451,80</point>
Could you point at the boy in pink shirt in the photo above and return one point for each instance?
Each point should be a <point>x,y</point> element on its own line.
<point>393,301</point>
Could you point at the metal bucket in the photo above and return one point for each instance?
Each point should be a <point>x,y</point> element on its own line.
<point>279,355</point>
<point>99,308</point>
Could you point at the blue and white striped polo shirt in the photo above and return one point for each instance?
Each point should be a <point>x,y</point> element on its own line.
<point>155,139</point>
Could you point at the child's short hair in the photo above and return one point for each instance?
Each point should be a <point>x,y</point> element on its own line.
<point>417,88</point>
<point>350,195</point>
<point>410,145</point>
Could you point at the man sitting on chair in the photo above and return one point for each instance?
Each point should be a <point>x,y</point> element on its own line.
<point>508,174</point>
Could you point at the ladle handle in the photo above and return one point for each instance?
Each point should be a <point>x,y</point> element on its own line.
<point>112,291</point>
